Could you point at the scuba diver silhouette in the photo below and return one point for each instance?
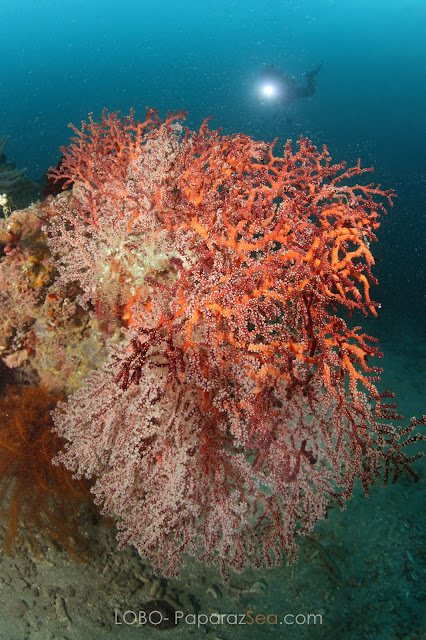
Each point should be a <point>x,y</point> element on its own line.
<point>276,88</point>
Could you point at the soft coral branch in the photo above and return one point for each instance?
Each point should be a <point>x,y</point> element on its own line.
<point>240,402</point>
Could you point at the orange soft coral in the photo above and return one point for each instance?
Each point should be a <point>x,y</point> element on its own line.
<point>36,497</point>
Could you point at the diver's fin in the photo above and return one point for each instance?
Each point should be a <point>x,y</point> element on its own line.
<point>313,72</point>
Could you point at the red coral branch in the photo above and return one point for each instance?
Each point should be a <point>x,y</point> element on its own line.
<point>244,402</point>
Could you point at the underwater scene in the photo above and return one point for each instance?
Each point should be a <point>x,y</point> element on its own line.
<point>212,319</point>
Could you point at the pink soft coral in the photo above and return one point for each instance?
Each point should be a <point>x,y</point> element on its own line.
<point>240,403</point>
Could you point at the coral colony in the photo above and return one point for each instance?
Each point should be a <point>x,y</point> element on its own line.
<point>235,400</point>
